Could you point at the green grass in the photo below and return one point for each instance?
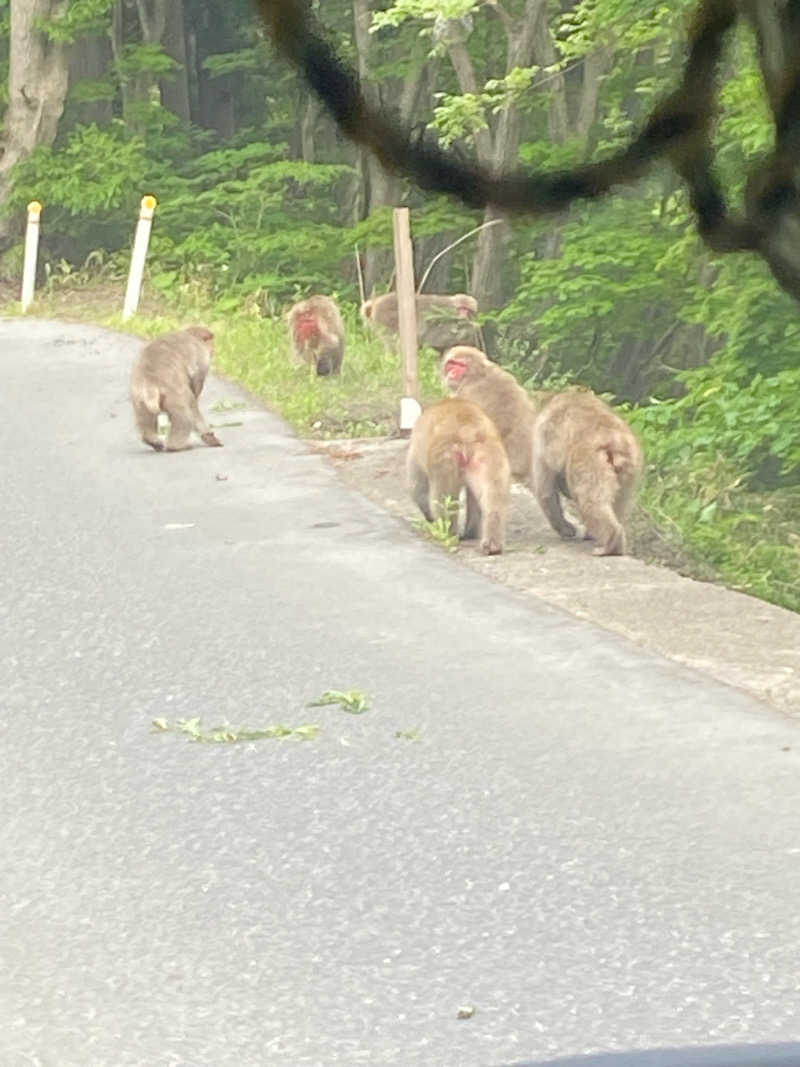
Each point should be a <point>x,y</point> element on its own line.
<point>363,401</point>
<point>749,540</point>
<point>439,529</point>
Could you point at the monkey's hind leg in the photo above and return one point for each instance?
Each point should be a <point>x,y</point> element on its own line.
<point>491,504</point>
<point>494,532</point>
<point>472,527</point>
<point>545,489</point>
<point>420,489</point>
<point>147,421</point>
<point>180,428</point>
<point>604,527</point>
<point>595,503</point>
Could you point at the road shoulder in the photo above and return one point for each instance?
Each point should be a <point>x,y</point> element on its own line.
<point>732,637</point>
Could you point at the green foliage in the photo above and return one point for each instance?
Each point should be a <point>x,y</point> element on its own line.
<point>752,423</point>
<point>95,173</point>
<point>440,528</point>
<point>195,731</point>
<point>712,454</point>
<point>457,116</point>
<point>139,59</point>
<point>426,10</point>
<point>601,310</point>
<point>76,19</point>
<point>353,701</point>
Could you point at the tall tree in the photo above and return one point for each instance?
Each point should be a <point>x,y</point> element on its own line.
<point>38,77</point>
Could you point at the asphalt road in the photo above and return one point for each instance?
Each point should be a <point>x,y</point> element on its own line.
<point>587,846</point>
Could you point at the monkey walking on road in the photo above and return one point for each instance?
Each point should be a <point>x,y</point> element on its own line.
<point>454,445</point>
<point>169,376</point>
<point>585,451</point>
<point>317,333</point>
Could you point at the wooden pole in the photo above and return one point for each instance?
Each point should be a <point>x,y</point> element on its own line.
<point>406,319</point>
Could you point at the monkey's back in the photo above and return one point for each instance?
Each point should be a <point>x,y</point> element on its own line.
<point>171,362</point>
<point>449,421</point>
<point>498,393</point>
<point>571,426</point>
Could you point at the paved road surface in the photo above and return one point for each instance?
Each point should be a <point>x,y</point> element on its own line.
<point>590,846</point>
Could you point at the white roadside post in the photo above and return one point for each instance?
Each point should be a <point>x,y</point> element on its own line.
<point>31,254</point>
<point>139,256</point>
<point>407,319</point>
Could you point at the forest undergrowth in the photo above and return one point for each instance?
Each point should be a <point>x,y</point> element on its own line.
<point>714,505</point>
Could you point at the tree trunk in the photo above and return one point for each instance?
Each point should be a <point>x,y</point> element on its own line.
<point>545,55</point>
<point>175,88</point>
<point>308,126</point>
<point>38,77</point>
<point>489,280</point>
<point>117,37</point>
<point>595,66</point>
<point>89,61</point>
<point>380,187</point>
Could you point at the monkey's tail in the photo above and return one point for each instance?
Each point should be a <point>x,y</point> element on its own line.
<point>618,453</point>
<point>148,396</point>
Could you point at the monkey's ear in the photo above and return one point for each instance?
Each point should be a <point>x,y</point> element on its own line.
<point>202,333</point>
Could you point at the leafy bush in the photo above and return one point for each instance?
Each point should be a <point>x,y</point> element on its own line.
<point>711,454</point>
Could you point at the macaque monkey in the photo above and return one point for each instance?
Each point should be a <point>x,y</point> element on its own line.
<point>169,376</point>
<point>471,375</point>
<point>454,445</point>
<point>317,333</point>
<point>442,321</point>
<point>582,449</point>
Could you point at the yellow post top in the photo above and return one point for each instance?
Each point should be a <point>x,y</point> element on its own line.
<point>34,208</point>
<point>149,204</point>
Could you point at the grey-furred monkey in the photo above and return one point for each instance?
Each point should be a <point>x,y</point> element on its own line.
<point>442,320</point>
<point>317,334</point>
<point>455,445</point>
<point>585,451</point>
<point>470,374</point>
<point>169,376</point>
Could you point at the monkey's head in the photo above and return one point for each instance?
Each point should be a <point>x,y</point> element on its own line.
<point>466,306</point>
<point>463,362</point>
<point>202,333</point>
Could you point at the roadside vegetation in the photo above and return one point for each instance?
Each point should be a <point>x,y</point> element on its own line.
<point>261,203</point>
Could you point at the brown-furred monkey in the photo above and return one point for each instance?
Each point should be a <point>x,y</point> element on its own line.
<point>442,320</point>
<point>585,451</point>
<point>470,374</point>
<point>169,376</point>
<point>317,334</point>
<point>454,445</point>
